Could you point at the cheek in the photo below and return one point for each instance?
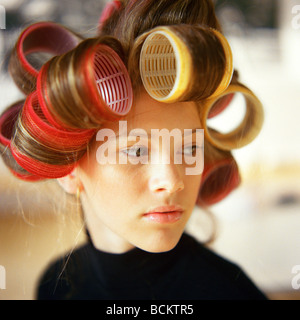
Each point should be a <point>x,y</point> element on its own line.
<point>191,186</point>
<point>114,185</point>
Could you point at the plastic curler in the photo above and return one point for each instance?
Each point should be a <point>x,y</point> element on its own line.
<point>43,155</point>
<point>40,159</point>
<point>46,37</point>
<point>246,131</point>
<point>177,65</point>
<point>85,87</point>
<point>108,10</point>
<point>35,122</point>
<point>42,169</point>
<point>220,105</point>
<point>7,122</point>
<point>220,176</point>
<point>228,72</point>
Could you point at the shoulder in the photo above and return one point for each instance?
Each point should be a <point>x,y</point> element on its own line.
<point>216,276</point>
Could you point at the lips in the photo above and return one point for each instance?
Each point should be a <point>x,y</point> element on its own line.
<point>164,214</point>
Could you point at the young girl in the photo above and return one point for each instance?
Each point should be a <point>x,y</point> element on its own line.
<point>120,120</point>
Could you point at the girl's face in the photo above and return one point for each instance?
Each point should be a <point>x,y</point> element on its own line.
<point>118,196</point>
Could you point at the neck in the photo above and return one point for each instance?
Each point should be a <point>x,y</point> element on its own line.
<point>104,238</point>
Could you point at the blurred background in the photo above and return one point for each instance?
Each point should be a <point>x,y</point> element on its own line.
<point>258,225</point>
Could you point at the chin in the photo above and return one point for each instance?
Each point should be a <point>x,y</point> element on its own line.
<point>160,242</point>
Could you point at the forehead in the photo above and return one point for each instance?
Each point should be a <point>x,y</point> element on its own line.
<point>147,113</point>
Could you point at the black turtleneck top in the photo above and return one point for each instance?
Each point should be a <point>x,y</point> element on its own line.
<point>188,272</point>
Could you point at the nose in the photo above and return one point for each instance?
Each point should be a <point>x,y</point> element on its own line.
<point>166,178</point>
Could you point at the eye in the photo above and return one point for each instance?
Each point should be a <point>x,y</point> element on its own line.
<point>136,151</point>
<point>191,150</point>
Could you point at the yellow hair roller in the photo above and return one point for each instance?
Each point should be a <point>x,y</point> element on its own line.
<point>165,65</point>
<point>246,131</point>
<point>174,67</point>
<point>228,67</point>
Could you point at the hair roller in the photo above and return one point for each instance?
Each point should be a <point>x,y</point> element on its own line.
<point>184,62</point>
<point>42,149</point>
<point>108,10</point>
<point>43,169</point>
<point>228,71</point>
<point>220,176</point>
<point>220,105</point>
<point>246,131</point>
<point>36,123</point>
<point>7,124</point>
<point>39,37</point>
<point>86,86</point>
<point>42,160</point>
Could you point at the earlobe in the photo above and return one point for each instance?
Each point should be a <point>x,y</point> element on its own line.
<point>71,183</point>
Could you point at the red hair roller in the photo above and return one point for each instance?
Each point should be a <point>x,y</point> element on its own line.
<point>39,37</point>
<point>100,88</point>
<point>65,146</point>
<point>220,176</point>
<point>45,170</point>
<point>36,123</point>
<point>7,121</point>
<point>108,10</point>
<point>109,88</point>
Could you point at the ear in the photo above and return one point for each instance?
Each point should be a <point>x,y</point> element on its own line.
<point>71,183</point>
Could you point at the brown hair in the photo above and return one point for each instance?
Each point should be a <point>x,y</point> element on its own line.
<point>137,17</point>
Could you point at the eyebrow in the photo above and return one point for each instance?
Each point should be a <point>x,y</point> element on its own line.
<point>137,134</point>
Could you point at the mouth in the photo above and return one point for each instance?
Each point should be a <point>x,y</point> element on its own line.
<point>164,214</point>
